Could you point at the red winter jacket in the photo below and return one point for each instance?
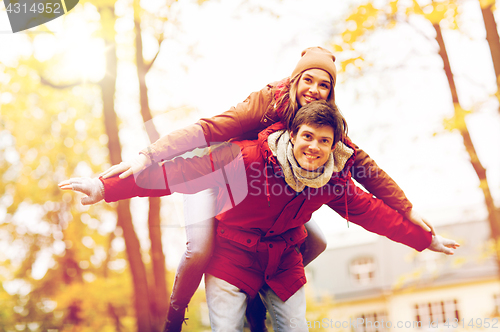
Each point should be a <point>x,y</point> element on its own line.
<point>261,219</point>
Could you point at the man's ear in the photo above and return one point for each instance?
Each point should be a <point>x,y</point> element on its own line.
<point>292,138</point>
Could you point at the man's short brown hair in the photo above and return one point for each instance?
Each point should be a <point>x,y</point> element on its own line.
<point>318,114</point>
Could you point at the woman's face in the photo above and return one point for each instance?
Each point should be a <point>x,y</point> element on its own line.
<point>314,84</point>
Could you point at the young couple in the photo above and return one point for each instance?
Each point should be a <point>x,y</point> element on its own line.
<point>264,192</point>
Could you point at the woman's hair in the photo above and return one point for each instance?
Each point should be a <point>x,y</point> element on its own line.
<point>288,104</point>
<point>320,113</point>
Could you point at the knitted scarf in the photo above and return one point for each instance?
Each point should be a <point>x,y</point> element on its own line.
<point>295,176</point>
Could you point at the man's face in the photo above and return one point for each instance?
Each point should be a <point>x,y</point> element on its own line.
<point>314,84</point>
<point>312,146</point>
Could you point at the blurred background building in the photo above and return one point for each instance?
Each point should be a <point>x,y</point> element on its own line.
<point>371,279</point>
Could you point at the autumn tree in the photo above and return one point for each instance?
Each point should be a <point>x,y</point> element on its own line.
<point>492,37</point>
<point>132,244</point>
<point>159,289</point>
<point>55,274</point>
<point>367,18</point>
<point>74,249</point>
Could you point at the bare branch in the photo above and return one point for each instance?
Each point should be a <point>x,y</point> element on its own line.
<point>150,64</point>
<point>419,31</point>
<point>44,81</point>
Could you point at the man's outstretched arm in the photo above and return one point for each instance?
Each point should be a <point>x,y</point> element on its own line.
<point>375,216</point>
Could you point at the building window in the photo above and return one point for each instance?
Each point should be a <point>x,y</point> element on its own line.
<point>362,270</point>
<point>371,322</point>
<point>437,312</point>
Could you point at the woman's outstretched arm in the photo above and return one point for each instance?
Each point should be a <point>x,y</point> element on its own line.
<point>243,121</point>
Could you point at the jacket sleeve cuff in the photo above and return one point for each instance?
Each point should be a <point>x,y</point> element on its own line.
<point>406,207</point>
<point>101,189</point>
<point>148,153</point>
<point>116,189</point>
<point>426,243</point>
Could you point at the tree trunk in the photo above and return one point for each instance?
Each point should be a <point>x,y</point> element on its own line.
<point>124,218</point>
<point>159,297</point>
<point>493,41</point>
<point>469,146</point>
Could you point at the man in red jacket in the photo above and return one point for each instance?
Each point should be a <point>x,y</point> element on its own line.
<point>268,189</point>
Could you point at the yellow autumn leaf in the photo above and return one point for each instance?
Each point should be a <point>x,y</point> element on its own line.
<point>394,7</point>
<point>416,9</point>
<point>337,48</point>
<point>483,184</point>
<point>454,19</point>
<point>358,62</point>
<point>137,9</point>
<point>108,24</point>
<point>362,19</point>
<point>457,121</point>
<point>449,124</point>
<point>437,14</point>
<point>346,37</point>
<point>486,3</point>
<point>352,61</point>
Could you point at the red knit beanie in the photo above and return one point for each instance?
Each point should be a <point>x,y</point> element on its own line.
<point>317,58</point>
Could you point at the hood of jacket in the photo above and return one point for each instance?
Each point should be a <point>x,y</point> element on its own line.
<point>344,153</point>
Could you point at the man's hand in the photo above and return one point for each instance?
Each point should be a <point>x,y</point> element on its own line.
<point>440,244</point>
<point>415,218</point>
<point>127,168</point>
<point>93,188</point>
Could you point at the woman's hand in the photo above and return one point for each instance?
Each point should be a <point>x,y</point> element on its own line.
<point>440,244</point>
<point>127,168</point>
<point>93,188</point>
<point>415,218</point>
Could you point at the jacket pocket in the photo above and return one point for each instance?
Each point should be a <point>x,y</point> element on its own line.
<point>295,236</point>
<point>241,239</point>
<point>236,245</point>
